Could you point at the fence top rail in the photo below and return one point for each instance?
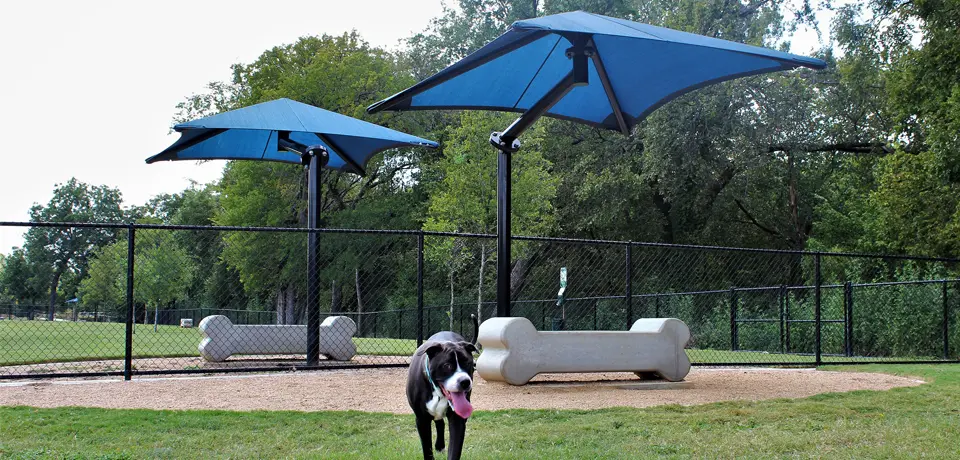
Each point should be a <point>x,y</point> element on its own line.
<point>789,288</point>
<point>118,225</point>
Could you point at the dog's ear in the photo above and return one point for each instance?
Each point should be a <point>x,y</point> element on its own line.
<point>431,350</point>
<point>471,348</point>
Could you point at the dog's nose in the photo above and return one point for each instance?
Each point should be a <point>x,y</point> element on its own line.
<point>464,384</point>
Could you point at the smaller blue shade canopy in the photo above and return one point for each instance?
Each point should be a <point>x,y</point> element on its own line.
<point>634,69</point>
<point>255,133</point>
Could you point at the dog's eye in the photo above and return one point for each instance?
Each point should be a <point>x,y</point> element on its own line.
<point>448,367</point>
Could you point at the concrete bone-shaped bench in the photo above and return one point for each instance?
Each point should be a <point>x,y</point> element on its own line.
<point>514,351</point>
<point>222,338</point>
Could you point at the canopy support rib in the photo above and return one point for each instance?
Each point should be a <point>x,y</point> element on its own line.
<point>611,95</point>
<point>533,114</point>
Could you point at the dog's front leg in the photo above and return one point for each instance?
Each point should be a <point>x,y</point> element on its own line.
<point>458,429</point>
<point>423,429</point>
<point>439,425</point>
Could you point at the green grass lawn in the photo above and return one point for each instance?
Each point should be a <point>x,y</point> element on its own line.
<point>31,342</point>
<point>901,423</point>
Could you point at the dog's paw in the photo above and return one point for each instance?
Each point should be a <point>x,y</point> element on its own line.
<point>440,445</point>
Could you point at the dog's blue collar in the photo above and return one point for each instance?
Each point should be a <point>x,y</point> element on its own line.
<point>426,370</point>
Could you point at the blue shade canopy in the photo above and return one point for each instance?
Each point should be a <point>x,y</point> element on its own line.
<point>256,133</point>
<point>634,69</point>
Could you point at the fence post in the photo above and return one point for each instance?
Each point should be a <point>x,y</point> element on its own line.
<point>946,323</point>
<point>734,339</point>
<point>781,301</point>
<point>786,314</point>
<point>420,288</point>
<point>128,346</point>
<point>656,306</point>
<point>818,282</point>
<point>848,318</point>
<point>629,285</point>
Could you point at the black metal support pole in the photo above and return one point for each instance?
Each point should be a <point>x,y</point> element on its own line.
<point>503,233</point>
<point>128,345</point>
<point>317,159</point>
<point>656,307</point>
<point>848,318</point>
<point>818,281</point>
<point>420,288</point>
<point>782,296</point>
<point>734,339</point>
<point>946,322</point>
<point>629,285</point>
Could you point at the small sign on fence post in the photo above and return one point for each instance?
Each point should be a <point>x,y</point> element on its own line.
<point>563,285</point>
<point>559,322</point>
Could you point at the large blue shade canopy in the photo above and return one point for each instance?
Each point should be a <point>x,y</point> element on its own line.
<point>290,132</point>
<point>261,132</point>
<point>632,69</point>
<point>605,72</point>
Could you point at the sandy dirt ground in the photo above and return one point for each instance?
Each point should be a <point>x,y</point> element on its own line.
<point>382,390</point>
<point>279,362</point>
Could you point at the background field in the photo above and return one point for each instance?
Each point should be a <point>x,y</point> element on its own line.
<point>33,342</point>
<point>30,342</point>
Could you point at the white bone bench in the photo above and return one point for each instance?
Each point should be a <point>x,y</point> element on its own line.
<point>514,351</point>
<point>221,339</point>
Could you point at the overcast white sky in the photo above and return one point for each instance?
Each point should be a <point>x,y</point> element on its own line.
<point>89,87</point>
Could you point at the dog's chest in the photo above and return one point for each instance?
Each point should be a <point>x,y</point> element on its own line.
<point>437,405</point>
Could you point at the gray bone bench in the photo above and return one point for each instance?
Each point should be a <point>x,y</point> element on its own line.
<point>222,338</point>
<point>514,351</point>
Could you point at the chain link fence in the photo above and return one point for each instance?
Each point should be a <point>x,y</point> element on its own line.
<point>114,299</point>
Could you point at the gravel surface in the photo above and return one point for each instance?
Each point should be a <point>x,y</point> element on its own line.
<point>382,390</point>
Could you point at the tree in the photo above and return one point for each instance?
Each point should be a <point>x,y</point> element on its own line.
<point>162,271</point>
<point>19,281</point>
<point>465,196</point>
<point>59,249</point>
<point>4,297</point>
<point>104,287</point>
<point>902,198</point>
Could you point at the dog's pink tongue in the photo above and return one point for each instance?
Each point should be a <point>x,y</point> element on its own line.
<point>461,406</point>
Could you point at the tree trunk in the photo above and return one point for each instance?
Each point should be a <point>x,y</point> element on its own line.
<point>451,296</point>
<point>664,207</point>
<point>483,265</point>
<point>290,306</point>
<point>286,305</point>
<point>519,274</point>
<point>281,312</point>
<point>53,293</point>
<point>335,297</point>
<point>356,277</point>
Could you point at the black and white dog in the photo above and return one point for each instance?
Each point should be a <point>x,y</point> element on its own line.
<point>441,379</point>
